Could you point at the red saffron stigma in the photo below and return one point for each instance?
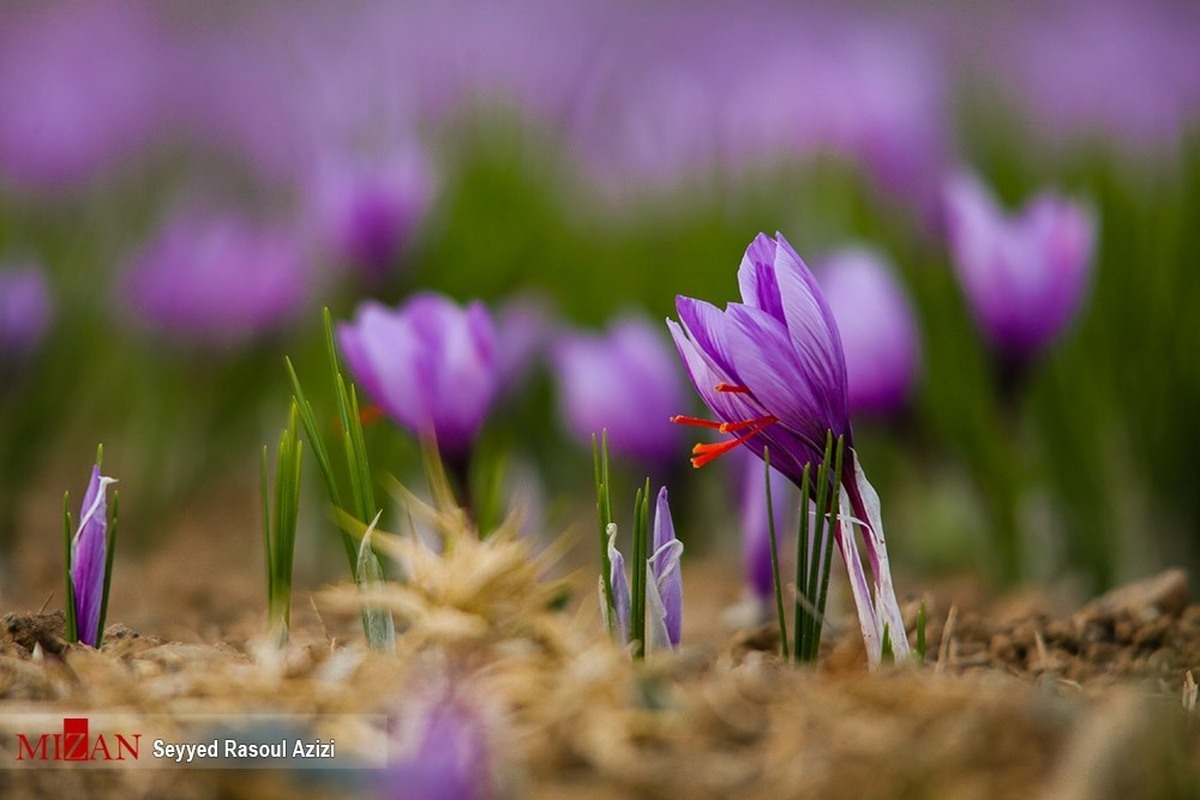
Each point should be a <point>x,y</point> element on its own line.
<point>680,419</point>
<point>732,388</point>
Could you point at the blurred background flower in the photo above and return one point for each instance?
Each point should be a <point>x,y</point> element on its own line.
<point>26,310</point>
<point>625,381</point>
<point>604,157</point>
<point>877,327</point>
<point>217,278</point>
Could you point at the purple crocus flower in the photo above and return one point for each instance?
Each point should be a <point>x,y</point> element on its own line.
<point>25,311</point>
<point>877,328</point>
<point>430,364</point>
<point>625,382</point>
<point>771,368</point>
<point>447,758</point>
<point>664,580</point>
<point>218,278</point>
<point>89,552</point>
<point>1024,276</point>
<point>365,210</point>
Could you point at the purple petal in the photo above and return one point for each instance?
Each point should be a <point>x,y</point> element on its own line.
<point>756,277</point>
<point>622,598</point>
<point>664,568</point>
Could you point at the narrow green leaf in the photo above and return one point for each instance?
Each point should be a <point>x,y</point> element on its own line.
<point>802,558</point>
<point>110,552</point>
<point>920,654</point>
<point>783,637</point>
<point>600,467</point>
<point>378,624</point>
<point>68,529</point>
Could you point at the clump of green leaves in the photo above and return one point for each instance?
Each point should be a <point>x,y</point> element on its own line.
<point>814,551</point>
<point>279,529</point>
<point>362,506</point>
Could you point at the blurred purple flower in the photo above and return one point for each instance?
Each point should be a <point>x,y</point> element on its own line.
<point>430,364</point>
<point>89,550</point>
<point>365,210</point>
<point>624,381</point>
<point>877,327</point>
<point>80,86</point>
<point>1126,71</point>
<point>771,369</point>
<point>756,531</point>
<point>523,328</point>
<point>447,758</point>
<point>664,580</point>
<point>218,278</point>
<point>26,309</point>
<point>1024,276</point>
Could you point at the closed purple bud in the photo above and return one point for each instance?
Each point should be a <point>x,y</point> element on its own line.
<point>218,279</point>
<point>89,551</point>
<point>664,597</point>
<point>878,330</point>
<point>25,311</point>
<point>430,364</point>
<point>1024,275</point>
<point>621,594</point>
<point>365,210</point>
<point>626,382</point>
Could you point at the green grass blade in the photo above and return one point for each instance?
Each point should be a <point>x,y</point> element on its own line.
<point>110,552</point>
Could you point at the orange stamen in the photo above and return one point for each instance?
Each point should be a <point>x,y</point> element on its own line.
<point>704,453</point>
<point>732,388</point>
<point>680,419</point>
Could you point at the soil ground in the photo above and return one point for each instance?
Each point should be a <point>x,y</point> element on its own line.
<point>1019,696</point>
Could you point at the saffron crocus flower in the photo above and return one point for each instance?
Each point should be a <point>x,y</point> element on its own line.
<point>430,364</point>
<point>89,555</point>
<point>771,369</point>
<point>1024,276</point>
<point>365,210</point>
<point>626,382</point>
<point>218,279</point>
<point>25,311</point>
<point>877,328</point>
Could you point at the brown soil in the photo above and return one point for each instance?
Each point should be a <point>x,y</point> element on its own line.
<point>1015,699</point>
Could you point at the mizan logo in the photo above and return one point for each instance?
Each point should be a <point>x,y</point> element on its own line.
<point>75,744</point>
